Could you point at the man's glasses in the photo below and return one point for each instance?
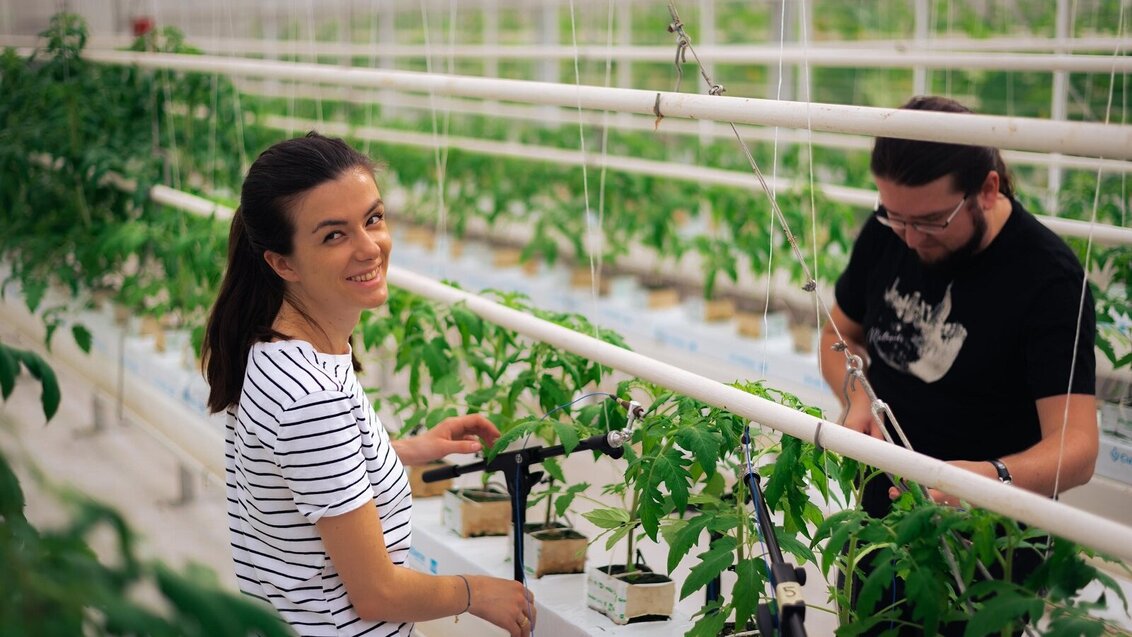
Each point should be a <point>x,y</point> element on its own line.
<point>926,227</point>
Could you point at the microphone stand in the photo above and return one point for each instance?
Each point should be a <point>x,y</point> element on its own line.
<point>786,580</point>
<point>516,467</point>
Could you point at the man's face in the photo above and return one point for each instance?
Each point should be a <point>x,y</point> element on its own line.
<point>942,227</point>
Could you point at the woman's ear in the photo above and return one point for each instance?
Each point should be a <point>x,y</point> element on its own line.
<point>281,265</point>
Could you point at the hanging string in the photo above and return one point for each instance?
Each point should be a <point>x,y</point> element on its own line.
<point>591,235</point>
<point>1088,256</point>
<point>440,139</point>
<point>313,54</point>
<point>238,112</point>
<point>879,408</point>
<point>373,18</point>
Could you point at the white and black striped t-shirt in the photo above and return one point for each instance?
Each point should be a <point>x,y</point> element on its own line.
<point>304,443</point>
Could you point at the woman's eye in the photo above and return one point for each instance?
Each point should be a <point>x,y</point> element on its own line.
<point>375,218</point>
<point>332,236</point>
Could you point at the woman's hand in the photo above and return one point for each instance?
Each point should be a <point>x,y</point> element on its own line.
<point>460,434</point>
<point>505,603</point>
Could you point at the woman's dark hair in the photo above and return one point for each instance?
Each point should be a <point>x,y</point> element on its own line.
<point>251,293</point>
<point>910,162</point>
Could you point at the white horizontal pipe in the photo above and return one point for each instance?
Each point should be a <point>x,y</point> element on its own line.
<point>1103,234</point>
<point>187,434</point>
<point>1100,44</point>
<point>1079,526</point>
<point>638,122</point>
<point>824,56</point>
<point>567,157</point>
<point>1072,138</point>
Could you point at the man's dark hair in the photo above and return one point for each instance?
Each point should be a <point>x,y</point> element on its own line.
<point>911,162</point>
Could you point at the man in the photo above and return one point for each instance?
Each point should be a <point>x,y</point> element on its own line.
<point>969,315</point>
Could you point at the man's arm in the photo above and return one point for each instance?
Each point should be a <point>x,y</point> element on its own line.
<point>860,416</point>
<point>1036,468</point>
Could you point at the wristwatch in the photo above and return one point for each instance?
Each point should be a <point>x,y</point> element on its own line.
<point>1003,472</point>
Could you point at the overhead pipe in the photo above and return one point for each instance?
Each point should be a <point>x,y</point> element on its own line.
<point>1018,133</point>
<point>647,123</point>
<point>261,46</point>
<point>894,57</point>
<point>1103,234</point>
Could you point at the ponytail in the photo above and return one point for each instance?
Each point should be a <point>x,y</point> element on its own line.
<point>250,297</point>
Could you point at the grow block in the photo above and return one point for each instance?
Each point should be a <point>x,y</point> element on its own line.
<point>640,595</point>
<point>422,489</point>
<point>553,550</point>
<point>476,512</point>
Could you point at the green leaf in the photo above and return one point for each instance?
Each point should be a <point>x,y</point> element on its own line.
<point>562,503</point>
<point>9,369</point>
<point>704,445</point>
<point>567,435</point>
<point>709,625</point>
<point>748,588</point>
<point>875,584</point>
<point>683,540</point>
<point>712,562</point>
<point>789,543</point>
<point>554,469</point>
<point>618,535</point>
<point>607,518</point>
<point>46,376</point>
<point>82,337</point>
<point>33,293</point>
<point>448,385</point>
<point>1002,610</point>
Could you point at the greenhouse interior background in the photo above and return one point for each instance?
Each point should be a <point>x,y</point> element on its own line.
<point>685,180</point>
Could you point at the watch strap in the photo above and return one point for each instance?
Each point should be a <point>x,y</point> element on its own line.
<point>1003,472</point>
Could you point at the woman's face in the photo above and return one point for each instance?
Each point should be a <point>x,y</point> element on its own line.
<point>341,246</point>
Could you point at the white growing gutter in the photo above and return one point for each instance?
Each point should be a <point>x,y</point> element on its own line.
<point>1060,519</point>
<point>1016,133</point>
<point>1102,234</point>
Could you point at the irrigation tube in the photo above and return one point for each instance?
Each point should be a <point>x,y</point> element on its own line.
<point>1017,133</point>
<point>1103,234</point>
<point>1079,526</point>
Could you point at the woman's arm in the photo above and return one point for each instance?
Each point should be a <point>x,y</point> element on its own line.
<point>381,591</point>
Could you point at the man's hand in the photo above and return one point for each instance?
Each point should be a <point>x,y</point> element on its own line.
<point>982,468</point>
<point>461,434</point>
<point>860,418</point>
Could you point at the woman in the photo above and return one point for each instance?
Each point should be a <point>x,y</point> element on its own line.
<point>319,506</point>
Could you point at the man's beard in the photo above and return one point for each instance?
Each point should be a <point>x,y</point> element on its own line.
<point>964,253</point>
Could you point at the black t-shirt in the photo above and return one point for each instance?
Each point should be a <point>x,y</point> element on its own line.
<point>962,355</point>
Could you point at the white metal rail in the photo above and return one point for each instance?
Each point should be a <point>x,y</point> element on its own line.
<point>1071,138</point>
<point>891,57</point>
<point>389,99</point>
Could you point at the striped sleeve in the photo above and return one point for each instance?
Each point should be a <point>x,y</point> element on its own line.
<point>319,452</point>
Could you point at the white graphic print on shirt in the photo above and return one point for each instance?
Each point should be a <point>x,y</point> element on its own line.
<point>918,340</point>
